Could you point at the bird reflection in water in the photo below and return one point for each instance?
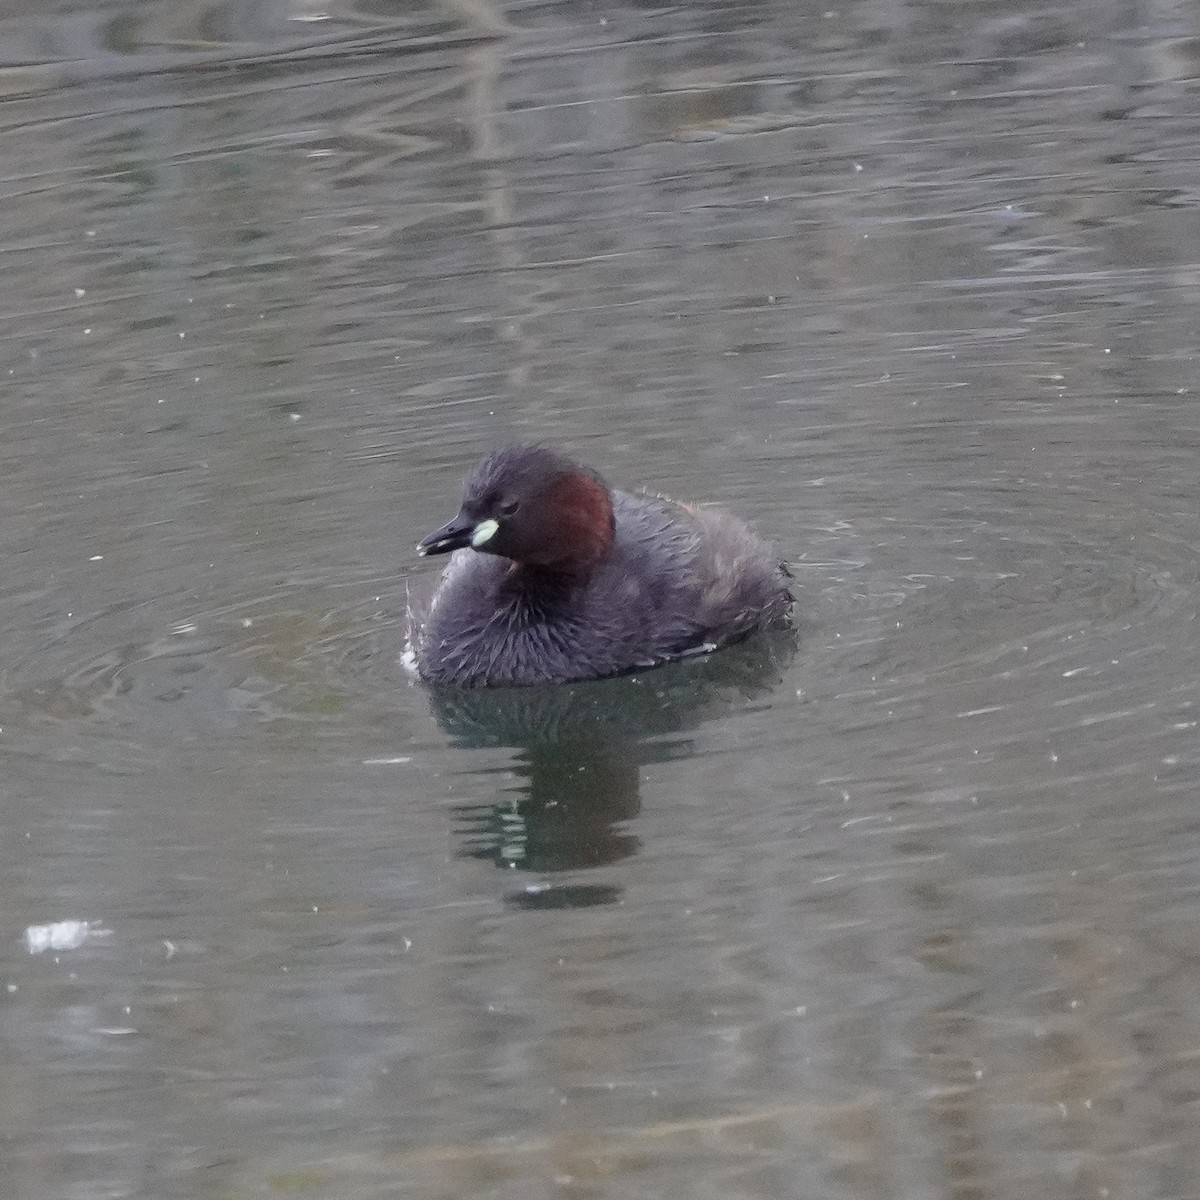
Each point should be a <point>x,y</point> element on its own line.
<point>579,748</point>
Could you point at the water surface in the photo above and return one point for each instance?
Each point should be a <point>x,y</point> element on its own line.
<point>906,907</point>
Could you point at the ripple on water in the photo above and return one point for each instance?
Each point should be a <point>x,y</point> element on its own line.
<point>1043,643</point>
<point>272,660</point>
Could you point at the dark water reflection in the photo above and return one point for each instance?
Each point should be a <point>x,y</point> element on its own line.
<point>575,780</point>
<point>909,912</point>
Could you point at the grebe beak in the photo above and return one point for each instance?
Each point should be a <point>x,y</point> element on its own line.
<point>460,532</point>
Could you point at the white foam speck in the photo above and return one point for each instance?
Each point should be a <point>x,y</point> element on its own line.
<point>61,935</point>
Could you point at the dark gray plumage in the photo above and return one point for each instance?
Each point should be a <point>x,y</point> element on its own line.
<point>556,578</point>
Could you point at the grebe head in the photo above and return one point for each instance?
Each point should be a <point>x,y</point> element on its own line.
<point>534,506</point>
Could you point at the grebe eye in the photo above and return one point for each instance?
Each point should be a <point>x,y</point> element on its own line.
<point>509,507</point>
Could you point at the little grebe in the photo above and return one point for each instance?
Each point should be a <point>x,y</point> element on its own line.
<point>558,578</point>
